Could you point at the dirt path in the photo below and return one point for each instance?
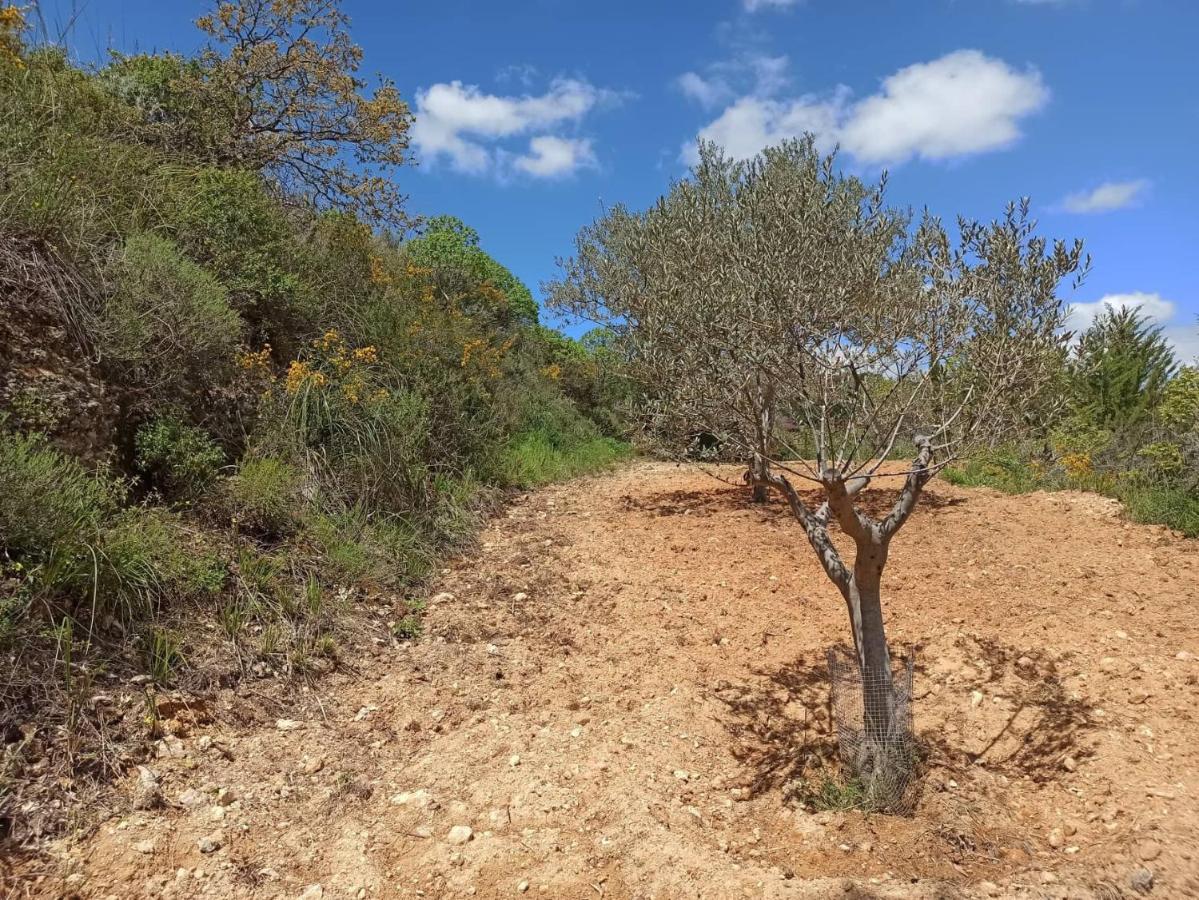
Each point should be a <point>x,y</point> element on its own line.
<point>621,691</point>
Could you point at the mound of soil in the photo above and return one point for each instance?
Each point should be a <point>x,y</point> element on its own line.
<point>623,693</point>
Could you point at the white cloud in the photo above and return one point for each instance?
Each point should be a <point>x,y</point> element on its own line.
<point>464,125</point>
<point>704,91</point>
<point>1182,332</point>
<point>766,75</point>
<point>962,103</point>
<point>1185,340</point>
<point>756,5</point>
<point>752,123</point>
<point>1152,306</point>
<point>1106,197</point>
<point>554,157</point>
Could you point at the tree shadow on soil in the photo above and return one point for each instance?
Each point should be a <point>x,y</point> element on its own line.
<point>714,501</point>
<point>1046,723</point>
<point>781,723</point>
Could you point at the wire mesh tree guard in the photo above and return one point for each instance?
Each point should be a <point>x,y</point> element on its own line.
<point>872,719</point>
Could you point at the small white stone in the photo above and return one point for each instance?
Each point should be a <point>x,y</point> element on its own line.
<point>460,834</point>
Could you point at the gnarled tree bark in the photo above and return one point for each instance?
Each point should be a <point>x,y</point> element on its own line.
<point>861,586</point>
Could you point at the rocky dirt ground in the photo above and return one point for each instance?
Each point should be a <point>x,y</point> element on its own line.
<point>622,693</point>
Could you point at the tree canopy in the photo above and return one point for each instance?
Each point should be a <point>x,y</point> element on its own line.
<point>451,247</point>
<point>785,309</point>
<point>277,89</point>
<point>1121,368</point>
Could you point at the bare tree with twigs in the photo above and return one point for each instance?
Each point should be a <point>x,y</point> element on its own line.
<point>788,311</point>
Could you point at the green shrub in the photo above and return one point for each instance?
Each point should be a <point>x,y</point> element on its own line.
<point>179,459</point>
<point>1173,507</point>
<point>171,104</point>
<point>355,548</point>
<point>69,174</point>
<point>144,562</point>
<point>265,495</point>
<point>343,543</point>
<point>1003,470</point>
<point>226,219</point>
<point>168,327</point>
<point>556,442</point>
<point>66,528</point>
<point>49,504</point>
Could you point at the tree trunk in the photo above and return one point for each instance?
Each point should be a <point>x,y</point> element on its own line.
<point>759,466</point>
<point>870,640</point>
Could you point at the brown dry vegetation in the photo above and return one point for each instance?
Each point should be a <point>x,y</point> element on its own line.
<point>622,694</point>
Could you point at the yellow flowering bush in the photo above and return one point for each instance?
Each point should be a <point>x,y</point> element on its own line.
<point>1078,465</point>
<point>345,370</point>
<point>12,23</point>
<point>256,362</point>
<point>379,274</point>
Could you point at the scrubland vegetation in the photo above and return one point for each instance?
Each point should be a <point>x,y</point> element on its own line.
<point>246,392</point>
<point>1129,428</point>
<point>239,393</point>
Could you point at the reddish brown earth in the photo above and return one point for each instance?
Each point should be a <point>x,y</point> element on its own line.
<point>622,694</point>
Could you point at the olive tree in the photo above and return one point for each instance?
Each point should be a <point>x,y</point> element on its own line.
<point>788,311</point>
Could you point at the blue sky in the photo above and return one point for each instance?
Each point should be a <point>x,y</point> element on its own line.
<point>531,115</point>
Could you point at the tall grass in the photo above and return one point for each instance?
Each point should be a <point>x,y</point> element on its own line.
<point>539,456</point>
<point>1144,501</point>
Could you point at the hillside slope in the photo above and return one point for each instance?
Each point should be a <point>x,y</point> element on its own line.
<point>622,694</point>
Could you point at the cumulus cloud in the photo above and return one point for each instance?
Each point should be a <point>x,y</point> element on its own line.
<point>465,126</point>
<point>752,123</point>
<point>962,103</point>
<point>1106,197</point>
<point>1152,306</point>
<point>1181,331</point>
<point>704,91</point>
<point>756,5</point>
<point>555,157</point>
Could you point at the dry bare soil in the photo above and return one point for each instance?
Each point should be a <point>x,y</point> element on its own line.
<point>622,693</point>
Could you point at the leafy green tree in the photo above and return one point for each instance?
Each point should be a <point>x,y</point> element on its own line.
<point>451,247</point>
<point>300,110</point>
<point>1121,368</point>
